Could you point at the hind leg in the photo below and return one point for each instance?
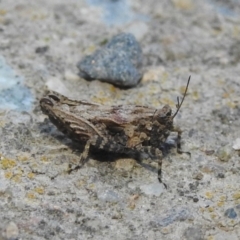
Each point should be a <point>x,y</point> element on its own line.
<point>103,144</point>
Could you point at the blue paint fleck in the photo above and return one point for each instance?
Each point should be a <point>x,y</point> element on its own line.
<point>175,214</point>
<point>13,94</point>
<point>230,213</point>
<point>117,12</point>
<point>224,8</point>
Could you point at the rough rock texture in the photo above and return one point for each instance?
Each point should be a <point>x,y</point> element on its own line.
<point>40,44</point>
<point>118,62</point>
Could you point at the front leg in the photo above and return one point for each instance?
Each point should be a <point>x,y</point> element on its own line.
<point>179,136</point>
<point>155,154</point>
<point>83,156</point>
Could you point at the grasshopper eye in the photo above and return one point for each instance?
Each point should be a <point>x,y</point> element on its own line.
<point>169,113</point>
<point>46,101</point>
<point>166,111</point>
<point>54,97</point>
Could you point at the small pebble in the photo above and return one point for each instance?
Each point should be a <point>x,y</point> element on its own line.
<point>108,196</point>
<point>236,144</point>
<point>139,29</point>
<point>195,199</point>
<point>117,63</point>
<point>70,76</point>
<point>198,176</point>
<point>224,153</point>
<point>230,213</point>
<point>174,214</point>
<point>221,175</point>
<point>12,231</point>
<point>193,186</point>
<point>55,84</point>
<point>41,49</point>
<point>194,233</point>
<point>153,189</point>
<point>209,152</point>
<point>125,164</point>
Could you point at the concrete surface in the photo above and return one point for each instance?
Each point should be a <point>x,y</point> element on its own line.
<point>40,45</point>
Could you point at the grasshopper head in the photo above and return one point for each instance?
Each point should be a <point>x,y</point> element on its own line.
<point>164,117</point>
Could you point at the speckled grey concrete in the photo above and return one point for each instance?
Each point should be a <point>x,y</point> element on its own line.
<point>40,45</point>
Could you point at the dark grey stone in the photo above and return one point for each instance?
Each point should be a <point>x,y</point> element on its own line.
<point>230,213</point>
<point>221,175</point>
<point>194,233</point>
<point>175,214</point>
<point>238,206</point>
<point>117,63</point>
<point>41,49</point>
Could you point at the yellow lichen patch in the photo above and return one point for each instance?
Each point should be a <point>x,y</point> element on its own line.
<point>80,183</point>
<point>152,89</point>
<point>90,50</point>
<point>91,186</point>
<point>168,101</point>
<point>232,104</point>
<point>228,93</point>
<point>125,164</point>
<point>23,158</point>
<point>31,195</point>
<point>31,175</point>
<point>210,209</point>
<point>154,74</point>
<point>164,76</point>
<point>2,123</point>
<point>220,203</point>
<point>202,210</point>
<point>209,195</point>
<point>44,159</point>
<point>131,205</point>
<point>8,175</point>
<point>223,198</point>
<point>213,216</point>
<point>101,100</point>
<point>7,163</point>
<point>141,95</point>
<point>19,171</point>
<point>34,166</point>
<point>183,4</point>
<point>182,89</point>
<point>38,16</point>
<point>132,201</point>
<point>210,238</point>
<point>47,39</point>
<point>233,222</point>
<point>17,178</point>
<point>236,31</point>
<point>3,12</point>
<point>206,169</point>
<point>155,103</point>
<point>195,95</point>
<point>39,190</point>
<point>236,196</point>
<point>112,89</point>
<point>216,32</point>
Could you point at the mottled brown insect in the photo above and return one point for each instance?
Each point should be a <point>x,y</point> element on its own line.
<point>127,129</point>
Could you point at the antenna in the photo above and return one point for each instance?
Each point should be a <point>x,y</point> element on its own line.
<point>184,95</point>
